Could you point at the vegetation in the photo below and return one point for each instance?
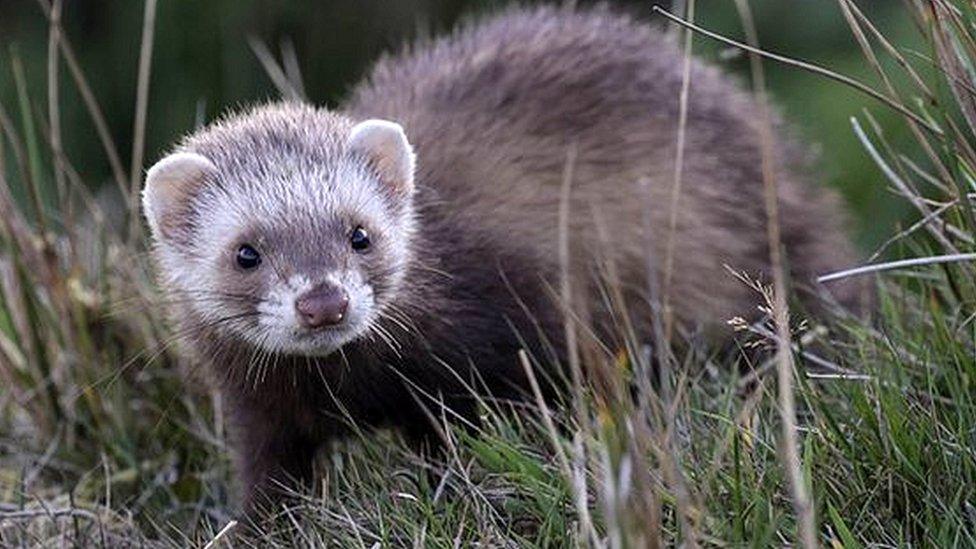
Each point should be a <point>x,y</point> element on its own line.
<point>103,442</point>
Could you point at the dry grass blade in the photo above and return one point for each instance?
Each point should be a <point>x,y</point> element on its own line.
<point>31,168</point>
<point>572,343</point>
<point>901,235</point>
<point>854,23</point>
<point>950,47</point>
<point>91,103</point>
<point>902,187</point>
<point>565,278</point>
<point>288,89</point>
<point>809,67</point>
<point>289,58</point>
<point>669,454</point>
<point>221,535</point>
<point>789,443</point>
<point>891,49</point>
<point>678,172</point>
<point>951,61</point>
<point>53,105</point>
<point>14,224</point>
<point>914,262</point>
<point>586,524</point>
<point>139,130</point>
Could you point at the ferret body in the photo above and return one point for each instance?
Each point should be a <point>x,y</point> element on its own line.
<point>348,265</point>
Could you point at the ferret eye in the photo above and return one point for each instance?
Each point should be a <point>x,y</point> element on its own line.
<point>359,239</point>
<point>248,257</point>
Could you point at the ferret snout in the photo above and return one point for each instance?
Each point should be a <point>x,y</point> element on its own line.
<point>322,306</point>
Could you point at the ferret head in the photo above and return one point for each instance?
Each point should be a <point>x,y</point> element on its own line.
<point>287,227</point>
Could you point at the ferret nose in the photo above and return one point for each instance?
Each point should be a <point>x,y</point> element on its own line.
<point>323,306</point>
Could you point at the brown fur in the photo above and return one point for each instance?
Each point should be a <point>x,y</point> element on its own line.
<point>492,112</point>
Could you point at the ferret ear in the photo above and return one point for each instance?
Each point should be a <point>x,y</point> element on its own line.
<point>169,184</point>
<point>384,145</point>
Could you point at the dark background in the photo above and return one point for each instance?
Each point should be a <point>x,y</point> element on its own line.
<point>203,64</point>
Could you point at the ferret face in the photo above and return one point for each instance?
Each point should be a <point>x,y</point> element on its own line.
<point>300,245</point>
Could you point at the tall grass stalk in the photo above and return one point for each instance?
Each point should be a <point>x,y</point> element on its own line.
<point>789,441</point>
<point>142,105</point>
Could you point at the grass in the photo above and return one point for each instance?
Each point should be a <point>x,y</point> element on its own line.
<point>103,442</point>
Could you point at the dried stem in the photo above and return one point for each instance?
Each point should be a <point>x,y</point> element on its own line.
<point>91,103</point>
<point>789,444</point>
<point>809,67</point>
<point>139,131</point>
<point>914,262</point>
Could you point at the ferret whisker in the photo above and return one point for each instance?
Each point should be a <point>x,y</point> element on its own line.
<point>123,306</point>
<point>396,312</point>
<point>248,368</point>
<point>264,357</point>
<point>265,361</point>
<point>434,270</point>
<point>388,339</point>
<point>396,321</point>
<point>177,337</point>
<point>215,293</point>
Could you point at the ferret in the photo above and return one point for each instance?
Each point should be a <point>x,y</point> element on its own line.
<point>347,266</point>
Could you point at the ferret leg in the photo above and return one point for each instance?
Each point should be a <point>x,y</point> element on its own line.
<point>274,459</point>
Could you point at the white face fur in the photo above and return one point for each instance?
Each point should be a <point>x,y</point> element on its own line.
<point>248,244</point>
